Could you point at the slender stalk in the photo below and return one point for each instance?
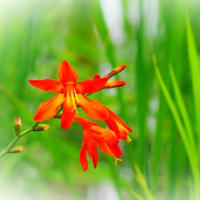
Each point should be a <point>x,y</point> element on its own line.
<point>6,150</point>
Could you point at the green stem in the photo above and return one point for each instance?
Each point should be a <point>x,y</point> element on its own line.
<point>6,150</point>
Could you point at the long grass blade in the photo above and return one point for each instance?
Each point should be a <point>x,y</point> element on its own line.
<point>195,73</point>
<point>190,151</point>
<point>182,108</point>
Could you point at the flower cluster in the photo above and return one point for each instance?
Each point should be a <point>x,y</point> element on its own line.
<point>70,95</point>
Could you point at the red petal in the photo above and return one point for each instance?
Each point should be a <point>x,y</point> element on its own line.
<point>83,158</point>
<point>84,122</point>
<point>107,141</point>
<point>47,85</point>
<point>112,125</point>
<point>93,109</point>
<point>120,131</point>
<point>48,109</point>
<point>69,110</point>
<point>91,86</point>
<point>94,156</point>
<point>118,120</point>
<point>91,147</point>
<point>66,73</point>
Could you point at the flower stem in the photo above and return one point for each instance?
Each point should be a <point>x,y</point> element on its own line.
<point>6,150</point>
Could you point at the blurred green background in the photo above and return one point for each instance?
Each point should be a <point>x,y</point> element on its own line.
<point>162,106</point>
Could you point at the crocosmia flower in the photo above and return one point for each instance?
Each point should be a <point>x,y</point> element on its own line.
<point>93,136</point>
<point>70,95</point>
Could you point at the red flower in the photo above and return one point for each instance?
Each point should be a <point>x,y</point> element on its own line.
<point>93,136</point>
<point>69,94</point>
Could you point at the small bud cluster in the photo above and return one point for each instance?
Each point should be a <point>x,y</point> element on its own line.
<point>20,133</point>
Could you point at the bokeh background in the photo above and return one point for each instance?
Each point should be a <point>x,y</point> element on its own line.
<point>95,36</point>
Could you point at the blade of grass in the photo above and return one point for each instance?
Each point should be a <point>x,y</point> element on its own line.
<point>182,108</point>
<point>189,149</point>
<point>195,73</point>
<point>143,183</point>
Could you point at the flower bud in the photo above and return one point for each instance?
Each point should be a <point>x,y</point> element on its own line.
<point>41,127</point>
<point>16,149</point>
<point>115,71</point>
<point>18,125</point>
<point>114,84</point>
<point>96,76</point>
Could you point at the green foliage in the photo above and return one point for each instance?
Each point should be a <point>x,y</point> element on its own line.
<point>162,105</point>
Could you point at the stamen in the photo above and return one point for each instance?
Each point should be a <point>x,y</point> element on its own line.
<point>73,98</point>
<point>76,97</point>
<point>67,95</point>
<point>128,139</point>
<point>117,160</point>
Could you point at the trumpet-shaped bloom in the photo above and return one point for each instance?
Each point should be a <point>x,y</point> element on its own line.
<point>96,136</point>
<point>69,95</point>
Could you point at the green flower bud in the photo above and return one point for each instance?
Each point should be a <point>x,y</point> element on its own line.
<point>41,127</point>
<point>16,149</point>
<point>18,125</point>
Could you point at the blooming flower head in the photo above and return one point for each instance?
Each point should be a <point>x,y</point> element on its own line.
<point>93,136</point>
<point>71,94</point>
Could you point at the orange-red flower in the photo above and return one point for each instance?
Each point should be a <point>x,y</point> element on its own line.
<point>72,94</point>
<point>69,95</point>
<point>93,136</point>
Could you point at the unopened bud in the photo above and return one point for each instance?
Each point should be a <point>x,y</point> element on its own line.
<point>18,125</point>
<point>115,71</point>
<point>16,149</point>
<point>114,84</point>
<point>41,127</point>
<point>96,76</point>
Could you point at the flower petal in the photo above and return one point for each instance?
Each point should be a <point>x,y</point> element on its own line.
<point>48,109</point>
<point>69,110</point>
<point>83,158</point>
<point>90,86</point>
<point>118,120</point>
<point>107,141</point>
<point>94,156</point>
<point>94,109</point>
<point>47,85</point>
<point>91,147</point>
<point>67,73</point>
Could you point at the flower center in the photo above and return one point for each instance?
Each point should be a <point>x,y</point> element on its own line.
<point>69,83</point>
